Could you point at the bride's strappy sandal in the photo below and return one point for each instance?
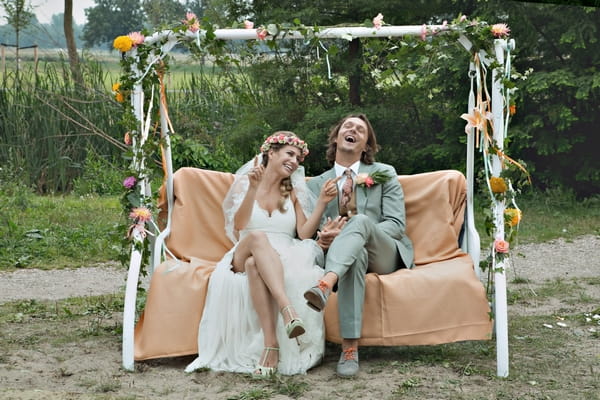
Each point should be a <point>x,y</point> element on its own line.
<point>262,372</point>
<point>295,327</point>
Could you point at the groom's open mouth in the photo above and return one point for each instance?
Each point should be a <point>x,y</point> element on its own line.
<point>350,139</point>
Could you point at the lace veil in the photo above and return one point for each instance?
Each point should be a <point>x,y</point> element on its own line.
<point>240,185</point>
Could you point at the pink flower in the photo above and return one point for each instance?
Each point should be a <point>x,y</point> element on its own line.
<point>463,18</point>
<point>248,24</point>
<point>378,21</point>
<point>500,30</point>
<point>192,22</point>
<point>262,34</point>
<point>129,182</point>
<point>364,179</point>
<point>501,246</point>
<point>423,32</point>
<point>136,38</point>
<point>140,214</point>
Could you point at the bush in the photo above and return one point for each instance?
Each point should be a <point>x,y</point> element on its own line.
<point>99,176</point>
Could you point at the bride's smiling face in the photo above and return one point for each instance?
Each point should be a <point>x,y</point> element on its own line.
<point>285,160</point>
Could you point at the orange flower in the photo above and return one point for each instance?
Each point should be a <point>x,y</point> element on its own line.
<point>140,214</point>
<point>512,109</point>
<point>119,97</point>
<point>497,184</point>
<point>501,246</point>
<point>191,20</point>
<point>127,139</point>
<point>477,119</point>
<point>512,216</point>
<point>500,30</point>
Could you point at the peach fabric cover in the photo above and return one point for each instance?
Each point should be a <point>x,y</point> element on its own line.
<point>439,301</point>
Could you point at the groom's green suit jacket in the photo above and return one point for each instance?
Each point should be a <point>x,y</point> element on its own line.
<point>382,203</point>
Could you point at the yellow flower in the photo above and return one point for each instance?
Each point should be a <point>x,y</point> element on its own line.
<point>123,43</point>
<point>512,216</point>
<point>497,184</point>
<point>116,86</point>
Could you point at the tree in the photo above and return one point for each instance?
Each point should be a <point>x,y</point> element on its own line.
<point>111,18</point>
<point>71,47</point>
<point>18,14</point>
<point>558,114</point>
<point>163,11</point>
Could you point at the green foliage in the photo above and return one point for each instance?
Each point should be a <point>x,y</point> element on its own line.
<point>99,176</point>
<point>189,153</point>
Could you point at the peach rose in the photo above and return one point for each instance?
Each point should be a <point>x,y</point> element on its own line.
<point>501,246</point>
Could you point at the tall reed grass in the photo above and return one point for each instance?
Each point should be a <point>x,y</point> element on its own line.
<point>50,126</point>
<point>48,123</point>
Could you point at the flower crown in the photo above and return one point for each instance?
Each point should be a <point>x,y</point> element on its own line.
<point>280,138</point>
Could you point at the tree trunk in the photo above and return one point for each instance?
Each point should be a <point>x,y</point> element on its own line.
<point>71,47</point>
<point>355,72</point>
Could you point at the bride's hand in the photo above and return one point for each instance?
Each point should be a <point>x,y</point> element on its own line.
<point>330,230</point>
<point>329,190</point>
<point>256,173</point>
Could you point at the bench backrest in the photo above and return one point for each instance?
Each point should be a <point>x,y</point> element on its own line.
<point>435,204</point>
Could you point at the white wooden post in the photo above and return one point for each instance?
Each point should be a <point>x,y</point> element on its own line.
<point>500,304</point>
<point>136,255</point>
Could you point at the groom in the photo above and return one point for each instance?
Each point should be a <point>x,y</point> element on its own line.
<point>372,240</point>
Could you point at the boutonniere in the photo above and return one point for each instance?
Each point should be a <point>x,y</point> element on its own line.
<point>374,178</point>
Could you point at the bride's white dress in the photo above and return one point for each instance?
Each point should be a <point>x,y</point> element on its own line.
<point>230,337</point>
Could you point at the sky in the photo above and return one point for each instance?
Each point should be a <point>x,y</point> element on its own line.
<point>45,9</point>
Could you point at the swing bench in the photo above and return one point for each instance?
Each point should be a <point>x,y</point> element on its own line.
<point>441,300</point>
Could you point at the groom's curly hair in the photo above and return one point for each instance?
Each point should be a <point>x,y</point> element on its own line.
<point>368,156</point>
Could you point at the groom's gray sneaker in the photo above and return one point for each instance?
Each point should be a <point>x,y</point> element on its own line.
<point>347,366</point>
<point>316,298</point>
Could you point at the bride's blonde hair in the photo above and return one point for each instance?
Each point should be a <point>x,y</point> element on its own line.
<point>285,186</point>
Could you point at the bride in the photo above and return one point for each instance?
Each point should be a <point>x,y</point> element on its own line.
<point>255,319</point>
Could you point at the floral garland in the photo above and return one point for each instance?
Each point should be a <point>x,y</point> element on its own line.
<point>280,138</point>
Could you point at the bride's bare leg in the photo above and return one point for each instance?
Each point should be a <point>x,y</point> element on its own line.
<point>268,265</point>
<point>264,306</point>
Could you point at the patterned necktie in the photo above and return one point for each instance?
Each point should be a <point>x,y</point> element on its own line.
<point>346,189</point>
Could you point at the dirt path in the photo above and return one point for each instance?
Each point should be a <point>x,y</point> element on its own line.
<point>535,262</point>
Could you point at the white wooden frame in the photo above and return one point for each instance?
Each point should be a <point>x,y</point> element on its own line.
<point>470,240</point>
